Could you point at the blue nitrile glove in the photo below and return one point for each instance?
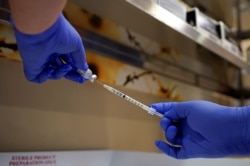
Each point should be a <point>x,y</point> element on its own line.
<point>204,129</point>
<point>55,53</point>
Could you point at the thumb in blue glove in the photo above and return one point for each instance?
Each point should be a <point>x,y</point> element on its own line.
<point>55,53</point>
<point>204,129</point>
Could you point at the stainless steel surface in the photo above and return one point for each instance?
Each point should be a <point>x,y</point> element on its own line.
<point>225,10</point>
<point>173,22</point>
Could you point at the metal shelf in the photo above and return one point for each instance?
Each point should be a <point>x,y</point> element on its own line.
<point>181,27</point>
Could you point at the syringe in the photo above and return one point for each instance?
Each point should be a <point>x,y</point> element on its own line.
<point>150,110</point>
<point>88,75</point>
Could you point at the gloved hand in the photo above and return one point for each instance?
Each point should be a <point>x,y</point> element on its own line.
<point>204,129</point>
<point>55,53</point>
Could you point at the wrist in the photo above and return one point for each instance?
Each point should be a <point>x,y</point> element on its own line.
<point>39,37</point>
<point>33,17</point>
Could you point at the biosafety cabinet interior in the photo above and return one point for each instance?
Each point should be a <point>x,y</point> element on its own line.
<point>139,47</point>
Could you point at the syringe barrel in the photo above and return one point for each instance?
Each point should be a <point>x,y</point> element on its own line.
<point>151,111</point>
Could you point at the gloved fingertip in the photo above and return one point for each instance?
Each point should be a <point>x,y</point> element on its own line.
<point>164,123</point>
<point>165,148</point>
<point>171,134</point>
<point>154,107</point>
<point>44,75</point>
<point>158,143</point>
<point>76,77</point>
<point>162,146</point>
<point>157,107</point>
<point>81,80</point>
